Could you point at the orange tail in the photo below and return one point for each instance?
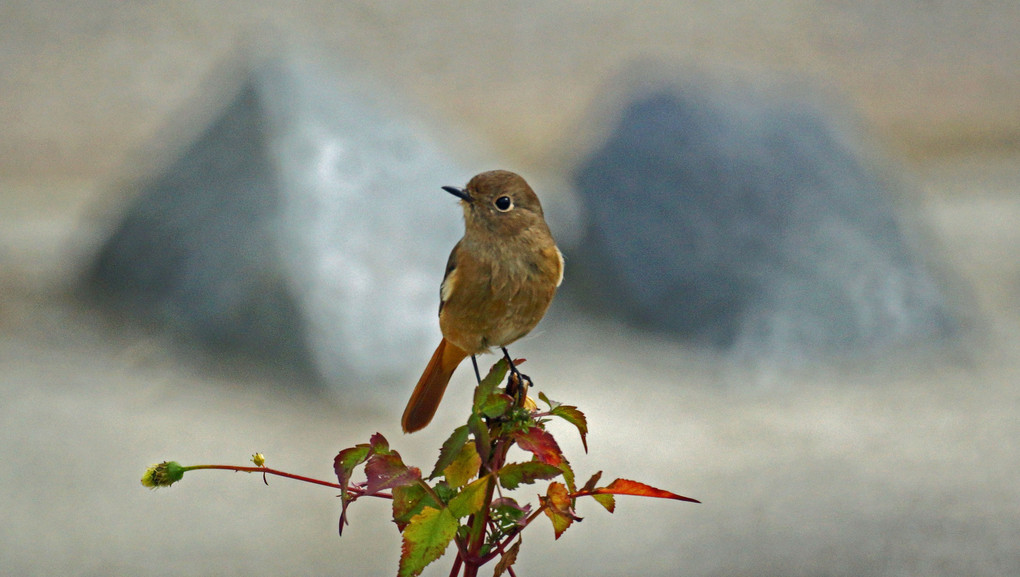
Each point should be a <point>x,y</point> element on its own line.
<point>430,388</point>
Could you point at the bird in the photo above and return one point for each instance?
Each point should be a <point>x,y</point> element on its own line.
<point>499,281</point>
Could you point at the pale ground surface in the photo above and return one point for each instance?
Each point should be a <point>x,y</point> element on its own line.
<point>907,470</point>
<point>890,470</point>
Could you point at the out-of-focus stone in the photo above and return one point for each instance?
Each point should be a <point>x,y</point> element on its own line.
<point>305,226</point>
<point>749,222</point>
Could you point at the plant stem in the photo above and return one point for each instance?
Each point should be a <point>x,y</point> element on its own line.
<point>278,473</point>
<point>456,567</point>
<point>476,535</point>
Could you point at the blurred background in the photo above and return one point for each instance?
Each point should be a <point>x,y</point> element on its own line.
<point>145,143</point>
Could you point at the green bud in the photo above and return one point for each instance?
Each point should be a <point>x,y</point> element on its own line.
<point>163,474</point>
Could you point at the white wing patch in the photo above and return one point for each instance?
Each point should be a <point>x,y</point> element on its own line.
<point>559,255</point>
<point>448,285</point>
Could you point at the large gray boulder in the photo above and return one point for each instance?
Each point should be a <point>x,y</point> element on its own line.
<point>304,227</point>
<point>748,221</point>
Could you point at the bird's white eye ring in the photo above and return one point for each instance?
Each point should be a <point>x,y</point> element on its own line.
<point>504,204</point>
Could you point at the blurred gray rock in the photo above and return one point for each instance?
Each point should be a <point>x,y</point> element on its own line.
<point>747,221</point>
<point>304,227</point>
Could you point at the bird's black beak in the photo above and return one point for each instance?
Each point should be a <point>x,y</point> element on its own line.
<point>458,192</point>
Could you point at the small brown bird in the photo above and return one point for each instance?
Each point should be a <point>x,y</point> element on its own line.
<point>499,281</point>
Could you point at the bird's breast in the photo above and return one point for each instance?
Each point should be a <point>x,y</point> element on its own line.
<point>495,297</point>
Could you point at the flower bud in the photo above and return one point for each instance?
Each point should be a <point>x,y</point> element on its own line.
<point>163,474</point>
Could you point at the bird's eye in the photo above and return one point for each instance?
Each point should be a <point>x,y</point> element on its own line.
<point>504,203</point>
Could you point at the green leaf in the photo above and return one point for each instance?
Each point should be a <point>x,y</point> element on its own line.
<point>444,491</point>
<point>464,466</point>
<point>571,414</point>
<point>496,406</point>
<point>515,474</point>
<point>426,538</point>
<point>607,501</point>
<point>408,501</point>
<point>471,499</point>
<point>508,509</point>
<point>344,465</point>
<point>450,450</point>
<point>345,462</point>
<point>541,444</point>
<point>487,387</point>
<point>545,399</point>
<point>575,417</point>
<point>568,475</point>
<point>480,430</point>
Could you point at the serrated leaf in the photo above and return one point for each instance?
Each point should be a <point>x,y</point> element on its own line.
<point>545,399</point>
<point>508,558</point>
<point>408,501</point>
<point>345,462</point>
<point>607,501</point>
<point>464,466</point>
<point>510,507</point>
<point>515,474</point>
<point>451,447</point>
<point>380,446</point>
<point>541,444</point>
<point>480,430</point>
<point>426,538</point>
<point>387,471</point>
<point>487,387</point>
<point>575,417</point>
<point>557,502</point>
<point>470,499</point>
<point>496,406</point>
<point>568,475</point>
<point>343,465</point>
<point>444,491</point>
<point>592,482</point>
<point>628,487</point>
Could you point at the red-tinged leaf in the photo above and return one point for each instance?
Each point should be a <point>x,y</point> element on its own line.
<point>470,499</point>
<point>343,465</point>
<point>388,471</point>
<point>571,414</point>
<point>607,501</point>
<point>557,502</point>
<point>426,538</point>
<point>408,501</point>
<point>508,558</point>
<point>345,462</point>
<point>464,466</point>
<point>510,507</point>
<point>557,496</point>
<point>591,482</point>
<point>515,474</point>
<point>628,487</point>
<point>450,450</point>
<point>380,446</point>
<point>541,444</point>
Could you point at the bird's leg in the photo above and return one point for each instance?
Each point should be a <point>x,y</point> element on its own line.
<point>474,362</point>
<point>520,387</point>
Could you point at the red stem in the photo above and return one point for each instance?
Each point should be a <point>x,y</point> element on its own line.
<point>267,471</point>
